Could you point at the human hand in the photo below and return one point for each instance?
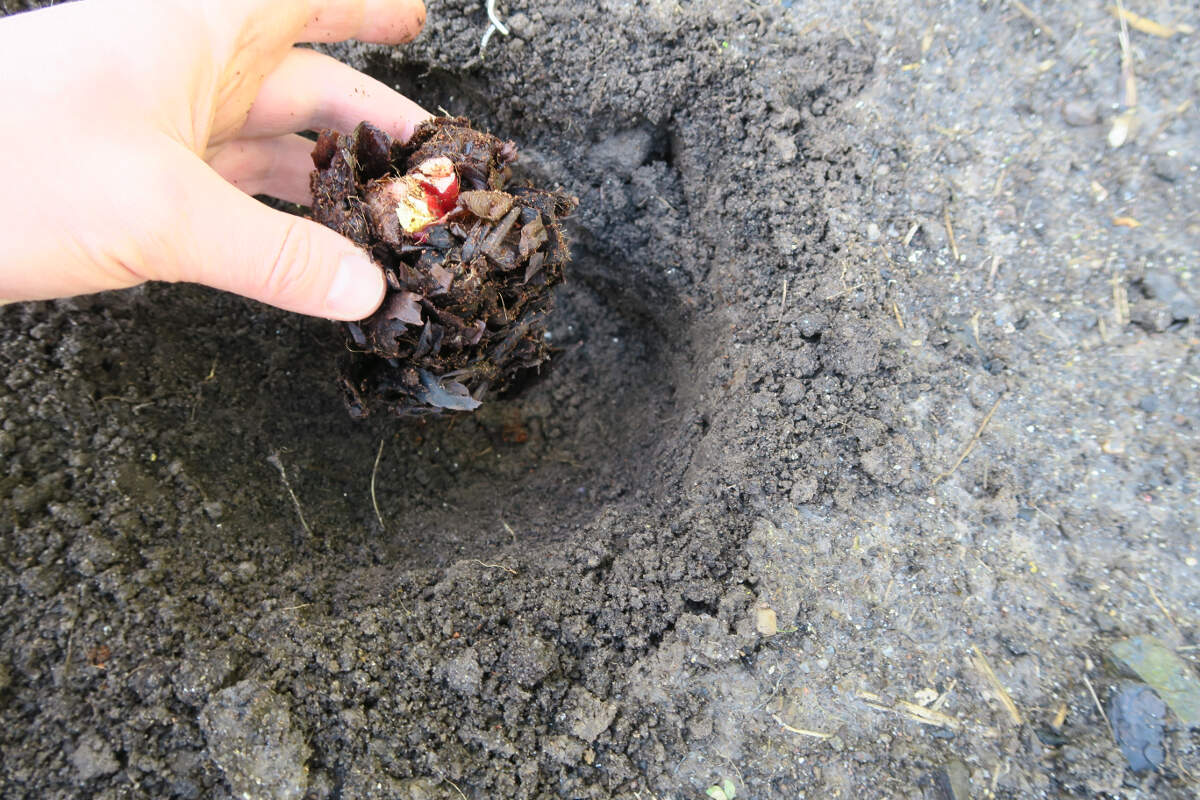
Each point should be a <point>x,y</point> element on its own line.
<point>135,131</point>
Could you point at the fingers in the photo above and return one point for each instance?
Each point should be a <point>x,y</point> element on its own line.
<point>311,91</point>
<point>278,167</point>
<point>231,241</point>
<point>379,21</point>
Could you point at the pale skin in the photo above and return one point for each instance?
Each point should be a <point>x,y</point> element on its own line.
<point>135,133</point>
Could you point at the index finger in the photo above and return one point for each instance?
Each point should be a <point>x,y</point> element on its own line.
<point>376,21</point>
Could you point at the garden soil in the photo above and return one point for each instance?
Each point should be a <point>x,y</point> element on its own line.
<point>871,423</point>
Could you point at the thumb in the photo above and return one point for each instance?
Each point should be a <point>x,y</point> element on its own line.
<point>238,244</point>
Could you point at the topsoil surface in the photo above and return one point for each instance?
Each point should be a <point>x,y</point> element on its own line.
<point>869,326</point>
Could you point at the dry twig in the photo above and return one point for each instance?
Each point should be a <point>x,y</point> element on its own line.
<point>1144,25</point>
<point>1120,301</point>
<point>971,444</point>
<point>917,713</point>
<point>1029,14</point>
<point>950,233</point>
<point>981,664</point>
<point>455,785</point>
<point>801,731</point>
<point>847,290</point>
<point>1096,699</point>
<point>1127,77</point>
<point>991,278</point>
<point>1166,612</point>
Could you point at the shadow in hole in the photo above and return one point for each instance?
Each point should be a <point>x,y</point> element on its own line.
<point>523,471</point>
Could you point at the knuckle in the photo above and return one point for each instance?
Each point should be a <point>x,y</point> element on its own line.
<point>290,268</point>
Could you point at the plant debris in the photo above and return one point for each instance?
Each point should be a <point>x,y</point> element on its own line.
<point>470,261</point>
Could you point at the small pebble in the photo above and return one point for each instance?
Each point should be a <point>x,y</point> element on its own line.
<point>254,741</point>
<point>93,757</point>
<point>926,202</point>
<point>1163,286</point>
<point>934,232</point>
<point>1168,166</point>
<point>765,621</point>
<point>519,25</point>
<point>951,782</point>
<point>956,153</point>
<point>1080,113</point>
<point>1136,714</point>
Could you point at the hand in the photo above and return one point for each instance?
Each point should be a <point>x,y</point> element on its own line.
<point>135,131</point>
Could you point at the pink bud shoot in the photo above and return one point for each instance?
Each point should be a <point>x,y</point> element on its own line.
<point>425,195</point>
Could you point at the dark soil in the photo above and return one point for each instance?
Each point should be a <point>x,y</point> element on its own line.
<point>822,251</point>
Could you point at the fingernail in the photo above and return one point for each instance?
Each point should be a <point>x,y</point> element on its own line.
<point>357,289</point>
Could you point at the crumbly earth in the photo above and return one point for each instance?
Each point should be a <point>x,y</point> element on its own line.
<point>860,331</point>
